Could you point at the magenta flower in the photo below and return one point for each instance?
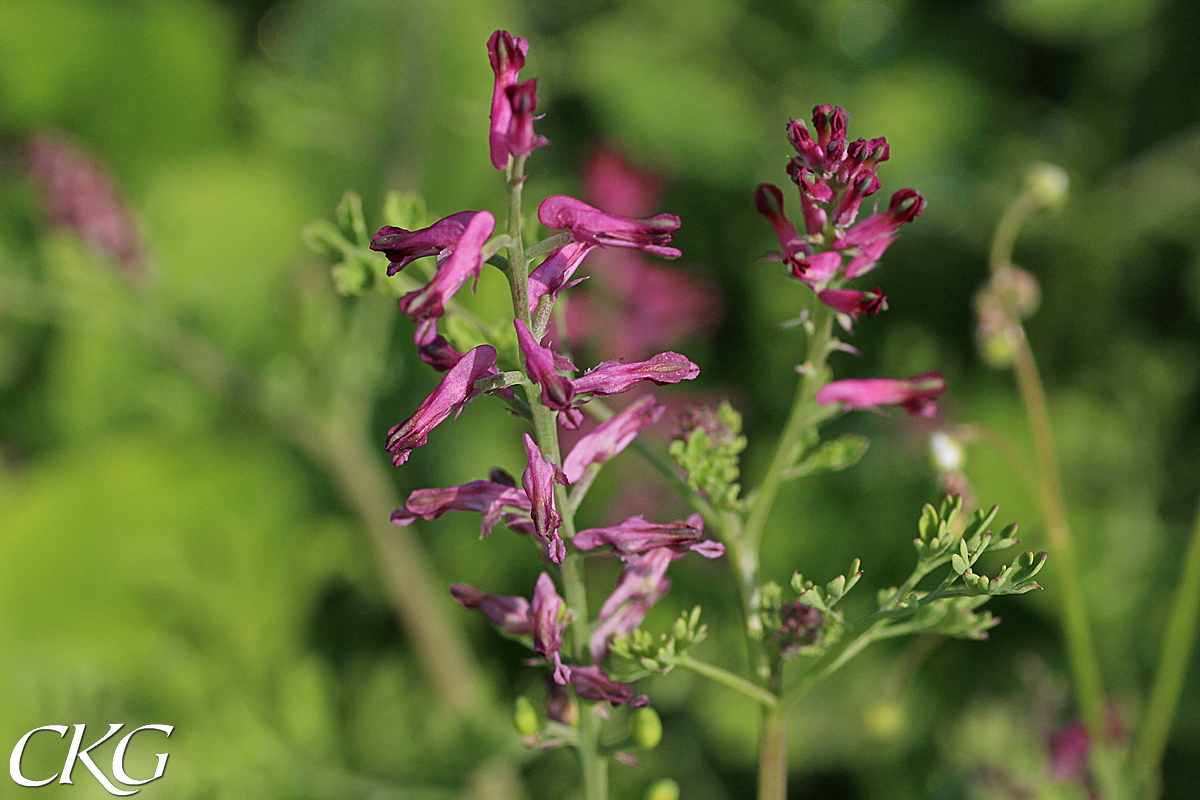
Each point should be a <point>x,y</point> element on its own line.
<point>819,268</point>
<point>554,274</point>
<point>917,395</point>
<point>614,377</point>
<point>489,498</point>
<point>402,247</point>
<point>507,55</point>
<point>852,303</point>
<point>557,391</point>
<point>590,224</point>
<point>643,583</point>
<point>520,140</point>
<point>905,206</point>
<point>635,536</point>
<point>865,258</point>
<point>509,614</point>
<point>591,683</point>
<point>769,199</point>
<point>548,625</point>
<point>611,437</point>
<point>461,266</point>
<point>455,391</point>
<point>538,481</point>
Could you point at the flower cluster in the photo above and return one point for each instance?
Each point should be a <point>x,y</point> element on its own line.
<point>834,176</point>
<point>555,390</point>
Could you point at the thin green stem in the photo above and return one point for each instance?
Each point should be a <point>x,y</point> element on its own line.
<point>728,679</point>
<point>1178,640</point>
<point>1081,647</point>
<point>772,757</point>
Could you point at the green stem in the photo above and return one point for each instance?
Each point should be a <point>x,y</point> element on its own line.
<point>1178,639</point>
<point>1081,647</point>
<point>593,764</point>
<point>728,679</point>
<point>772,757</point>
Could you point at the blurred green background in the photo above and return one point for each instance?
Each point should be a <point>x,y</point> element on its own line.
<point>178,546</point>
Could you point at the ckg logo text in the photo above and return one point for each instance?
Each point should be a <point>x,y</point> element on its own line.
<point>76,752</point>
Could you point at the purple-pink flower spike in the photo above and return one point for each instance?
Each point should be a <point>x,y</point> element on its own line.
<point>402,247</point>
<point>448,399</point>
<point>917,395</point>
<point>538,481</point>
<point>611,436</point>
<point>614,377</point>
<point>507,55</point>
<point>589,224</point>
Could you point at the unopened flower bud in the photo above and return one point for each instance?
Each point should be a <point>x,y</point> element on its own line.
<point>525,717</point>
<point>800,626</point>
<point>1048,185</point>
<point>664,789</point>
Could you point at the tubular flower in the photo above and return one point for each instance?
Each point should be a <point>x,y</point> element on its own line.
<point>554,274</point>
<point>507,55</point>
<point>917,395</point>
<point>635,536</point>
<point>520,140</point>
<point>589,224</point>
<point>611,437</point>
<point>591,683</point>
<point>455,391</point>
<point>463,264</point>
<point>402,247</point>
<point>489,498</point>
<point>548,625</point>
<point>538,481</point>
<point>557,391</point>
<point>769,199</point>
<point>509,614</point>
<point>643,582</point>
<point>852,303</point>
<point>614,377</point>
<point>905,206</point>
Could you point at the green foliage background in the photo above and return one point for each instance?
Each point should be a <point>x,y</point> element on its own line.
<point>167,556</point>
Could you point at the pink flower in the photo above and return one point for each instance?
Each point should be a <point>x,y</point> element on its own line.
<point>917,395</point>
<point>635,536</point>
<point>520,140</point>
<point>489,498</point>
<point>403,247</point>
<point>589,224</point>
<point>461,266</point>
<point>538,481</point>
<point>614,377</point>
<point>509,614</point>
<point>554,274</point>
<point>507,55</point>
<point>592,683</point>
<point>852,303</point>
<point>548,625</point>
<point>769,199</point>
<point>643,583</point>
<point>455,391</point>
<point>611,437</point>
<point>614,184</point>
<point>557,391</point>
<point>905,206</point>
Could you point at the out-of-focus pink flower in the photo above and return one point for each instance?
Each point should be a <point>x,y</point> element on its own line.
<point>540,361</point>
<point>611,436</point>
<point>592,683</point>
<point>509,614</point>
<point>589,224</point>
<point>461,266</point>
<point>554,274</point>
<point>917,395</point>
<point>448,399</point>
<point>80,195</point>
<point>507,55</point>
<point>635,536</point>
<point>538,481</point>
<point>614,377</point>
<point>614,184</point>
<point>402,247</point>
<point>489,498</point>
<point>548,625</point>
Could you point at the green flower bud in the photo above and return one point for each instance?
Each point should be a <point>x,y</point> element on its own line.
<point>1048,185</point>
<point>663,789</point>
<point>647,728</point>
<point>525,717</point>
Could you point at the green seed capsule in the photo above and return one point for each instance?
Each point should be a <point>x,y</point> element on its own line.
<point>647,728</point>
<point>664,789</point>
<point>525,717</point>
